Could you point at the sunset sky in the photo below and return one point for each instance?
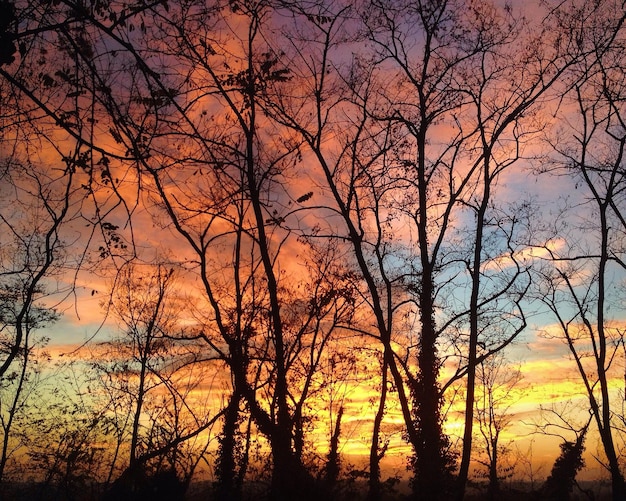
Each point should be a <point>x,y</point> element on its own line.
<point>549,379</point>
<point>272,162</point>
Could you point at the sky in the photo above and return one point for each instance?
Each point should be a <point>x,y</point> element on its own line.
<point>549,375</point>
<point>549,379</point>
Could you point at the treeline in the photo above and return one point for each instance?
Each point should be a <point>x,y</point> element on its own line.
<point>291,198</point>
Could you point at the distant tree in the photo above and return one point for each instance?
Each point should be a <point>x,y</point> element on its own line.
<point>498,388</point>
<point>64,454</point>
<point>140,304</point>
<point>558,420</point>
<point>559,484</point>
<point>143,372</point>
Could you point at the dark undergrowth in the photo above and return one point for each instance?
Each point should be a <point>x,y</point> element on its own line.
<point>164,490</point>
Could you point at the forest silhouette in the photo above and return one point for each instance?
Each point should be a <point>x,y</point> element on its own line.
<point>299,249</point>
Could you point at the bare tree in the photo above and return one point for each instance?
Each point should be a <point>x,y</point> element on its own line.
<point>62,432</point>
<point>577,283</point>
<point>32,247</point>
<point>214,167</point>
<point>205,118</point>
<point>18,386</point>
<point>498,389</point>
<point>145,367</point>
<point>36,206</point>
<point>385,169</point>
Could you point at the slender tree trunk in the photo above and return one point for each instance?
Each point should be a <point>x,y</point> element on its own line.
<point>134,441</point>
<point>288,473</point>
<point>374,493</point>
<point>617,480</point>
<point>13,409</point>
<point>332,463</point>
<point>473,334</point>
<point>494,483</point>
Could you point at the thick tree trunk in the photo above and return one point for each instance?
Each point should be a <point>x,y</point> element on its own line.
<point>290,479</point>
<point>430,465</point>
<point>617,480</point>
<point>430,482</point>
<point>227,488</point>
<point>606,433</point>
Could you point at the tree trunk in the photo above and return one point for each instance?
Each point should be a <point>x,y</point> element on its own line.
<point>606,433</point>
<point>430,466</point>
<point>473,334</point>
<point>494,483</point>
<point>228,489</point>
<point>374,493</point>
<point>290,480</point>
<point>430,461</point>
